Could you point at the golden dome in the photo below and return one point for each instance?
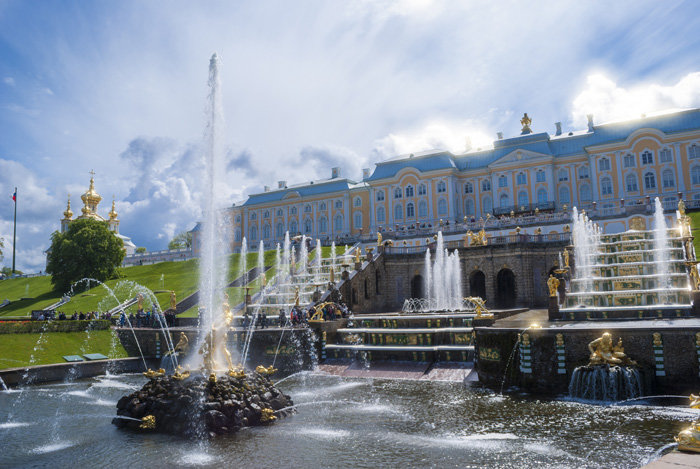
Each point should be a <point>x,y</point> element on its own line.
<point>68,214</point>
<point>113,213</point>
<point>91,198</point>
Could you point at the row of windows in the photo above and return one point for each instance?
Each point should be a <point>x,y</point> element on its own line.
<point>308,225</point>
<point>307,209</point>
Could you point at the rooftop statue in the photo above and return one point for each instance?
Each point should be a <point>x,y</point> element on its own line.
<point>604,353</point>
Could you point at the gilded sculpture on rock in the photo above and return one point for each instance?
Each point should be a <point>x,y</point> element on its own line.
<point>213,347</point>
<point>553,284</point>
<point>603,352</point>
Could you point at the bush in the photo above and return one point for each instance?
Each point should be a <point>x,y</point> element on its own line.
<point>25,327</point>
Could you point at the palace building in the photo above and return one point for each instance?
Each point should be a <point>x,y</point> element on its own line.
<point>605,169</point>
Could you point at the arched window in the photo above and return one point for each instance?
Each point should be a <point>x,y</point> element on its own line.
<point>279,212</point>
<point>381,217</point>
<point>649,181</point>
<point>647,157</point>
<point>523,199</point>
<point>380,196</point>
<point>469,207</point>
<point>486,185</point>
<point>540,176</point>
<point>487,205</point>
<point>665,155</point>
<point>322,206</point>
<point>521,179</point>
<point>237,235</point>
<point>668,179</point>
<point>338,204</point>
<point>293,211</point>
<point>441,187</point>
<point>323,225</point>
<point>410,210</point>
<point>357,219</point>
<point>695,175</point>
<point>293,228</point>
<point>631,183</point>
<point>307,208</point>
<point>398,212</point>
<point>585,192</point>
<point>279,230</point>
<point>308,226</point>
<point>409,191</point>
<point>422,190</point>
<point>628,161</point>
<point>502,181</point>
<point>398,193</point>
<point>564,196</point>
<point>357,202</point>
<point>238,218</point>
<point>253,233</point>
<point>504,201</point>
<point>253,216</point>
<point>583,172</point>
<point>267,214</point>
<point>469,188</point>
<point>442,207</point>
<point>606,186</point>
<point>604,164</point>
<point>563,175</point>
<point>338,223</point>
<point>266,231</point>
<point>542,196</point>
<point>422,209</point>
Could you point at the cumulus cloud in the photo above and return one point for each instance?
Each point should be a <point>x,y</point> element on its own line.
<point>456,136</point>
<point>608,101</point>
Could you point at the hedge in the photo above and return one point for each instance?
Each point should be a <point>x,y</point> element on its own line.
<point>24,327</point>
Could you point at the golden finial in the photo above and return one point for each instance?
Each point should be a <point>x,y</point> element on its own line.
<point>91,198</point>
<point>113,213</point>
<point>526,121</point>
<point>68,214</point>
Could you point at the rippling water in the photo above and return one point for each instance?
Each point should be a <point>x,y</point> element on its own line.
<point>342,423</point>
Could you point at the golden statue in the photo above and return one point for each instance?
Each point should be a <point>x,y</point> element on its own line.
<point>268,415</point>
<point>479,306</point>
<point>265,371</point>
<point>150,374</point>
<point>525,339</point>
<point>566,258</point>
<point>681,207</point>
<point>148,423</point>
<point>173,300</point>
<point>560,340</point>
<point>657,339</point>
<point>214,344</point>
<point>604,353</point>
<point>695,276</point>
<point>332,278</point>
<point>183,344</point>
<point>379,239</point>
<point>181,374</point>
<point>553,284</point>
<point>296,296</point>
<point>525,122</point>
<point>238,372</point>
<point>689,438</point>
<point>697,339</point>
<point>140,302</point>
<point>357,256</point>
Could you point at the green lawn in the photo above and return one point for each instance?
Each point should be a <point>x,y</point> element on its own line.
<point>695,229</point>
<point>16,350</point>
<point>181,277</point>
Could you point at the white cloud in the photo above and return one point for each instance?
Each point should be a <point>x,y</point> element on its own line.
<point>608,101</point>
<point>9,81</point>
<point>456,136</point>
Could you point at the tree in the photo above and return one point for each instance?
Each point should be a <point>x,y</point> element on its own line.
<point>2,245</point>
<point>181,241</point>
<point>87,249</point>
<point>140,250</point>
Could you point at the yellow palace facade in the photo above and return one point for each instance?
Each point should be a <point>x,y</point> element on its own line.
<point>602,168</point>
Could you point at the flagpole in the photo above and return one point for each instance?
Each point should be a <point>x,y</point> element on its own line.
<point>14,234</point>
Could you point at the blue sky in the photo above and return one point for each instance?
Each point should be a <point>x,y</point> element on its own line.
<point>120,87</point>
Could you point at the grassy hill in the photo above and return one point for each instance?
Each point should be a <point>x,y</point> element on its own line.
<point>182,277</point>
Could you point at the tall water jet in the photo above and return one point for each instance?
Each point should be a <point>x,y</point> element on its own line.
<point>303,256</point>
<point>286,253</point>
<point>213,265</point>
<point>319,259</point>
<point>261,262</point>
<point>442,279</point>
<point>661,245</point>
<point>428,276</point>
<point>586,239</point>
<point>333,254</point>
<point>243,261</point>
<point>456,282</point>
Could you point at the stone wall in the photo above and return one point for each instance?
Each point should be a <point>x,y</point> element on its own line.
<point>680,366</point>
<point>530,264</point>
